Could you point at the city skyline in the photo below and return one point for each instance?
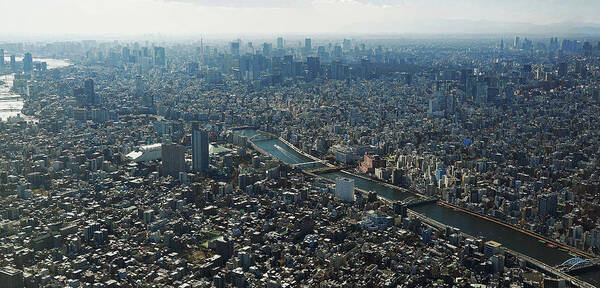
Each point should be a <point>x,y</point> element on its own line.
<point>299,143</point>
<point>207,17</point>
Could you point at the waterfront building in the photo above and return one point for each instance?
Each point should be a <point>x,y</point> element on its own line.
<point>344,189</point>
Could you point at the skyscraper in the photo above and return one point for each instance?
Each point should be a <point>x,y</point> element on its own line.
<point>200,156</point>
<point>173,159</point>
<point>267,47</point>
<point>482,93</point>
<point>139,86</point>
<point>13,63</point>
<point>1,57</point>
<point>159,56</point>
<point>85,96</point>
<point>88,87</point>
<point>125,54</point>
<point>307,45</point>
<point>27,63</point>
<point>235,48</point>
<point>279,42</point>
<point>314,66</point>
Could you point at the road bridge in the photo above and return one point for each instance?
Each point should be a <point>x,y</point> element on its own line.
<point>308,164</point>
<point>418,200</point>
<point>326,169</point>
<point>578,264</point>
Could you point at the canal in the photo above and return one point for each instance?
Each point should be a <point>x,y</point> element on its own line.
<point>475,226</point>
<point>467,223</point>
<point>368,185</point>
<point>278,149</point>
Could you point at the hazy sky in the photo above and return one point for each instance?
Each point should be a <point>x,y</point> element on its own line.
<point>192,17</point>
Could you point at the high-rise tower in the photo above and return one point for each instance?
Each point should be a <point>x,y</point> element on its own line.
<point>200,157</point>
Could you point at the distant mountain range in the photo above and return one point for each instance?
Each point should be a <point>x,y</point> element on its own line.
<point>452,26</point>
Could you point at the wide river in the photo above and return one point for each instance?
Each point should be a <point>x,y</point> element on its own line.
<point>11,103</point>
<point>467,223</point>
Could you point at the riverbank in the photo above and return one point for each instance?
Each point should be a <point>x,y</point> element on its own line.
<point>517,241</point>
<point>521,230</point>
<point>11,103</point>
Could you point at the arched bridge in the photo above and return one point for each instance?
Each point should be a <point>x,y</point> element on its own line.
<point>577,263</point>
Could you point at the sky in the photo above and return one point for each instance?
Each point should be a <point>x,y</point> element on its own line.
<point>198,17</point>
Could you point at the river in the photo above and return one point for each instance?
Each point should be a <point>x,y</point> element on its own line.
<point>279,150</point>
<point>12,103</point>
<point>469,224</point>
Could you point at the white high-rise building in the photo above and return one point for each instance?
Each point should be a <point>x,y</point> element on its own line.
<point>344,189</point>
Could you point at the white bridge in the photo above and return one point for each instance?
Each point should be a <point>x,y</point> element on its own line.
<point>577,263</point>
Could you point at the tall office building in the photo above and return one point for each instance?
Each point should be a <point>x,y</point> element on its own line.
<point>88,87</point>
<point>279,42</point>
<point>1,57</point>
<point>267,47</point>
<point>547,204</point>
<point>563,68</point>
<point>159,56</point>
<point>235,48</point>
<point>173,159</point>
<point>148,99</point>
<point>307,45</point>
<point>27,63</point>
<point>344,189</point>
<point>126,54</point>
<point>338,70</point>
<point>192,68</point>
<point>288,65</point>
<point>13,63</point>
<point>11,277</point>
<point>85,96</point>
<point>200,156</point>
<point>314,66</point>
<point>481,97</point>
<point>139,86</point>
<point>347,44</point>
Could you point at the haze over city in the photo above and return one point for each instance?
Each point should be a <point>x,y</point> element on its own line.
<point>173,18</point>
<point>299,143</point>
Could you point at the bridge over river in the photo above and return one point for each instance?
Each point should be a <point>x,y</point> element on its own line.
<point>525,246</point>
<point>576,265</point>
